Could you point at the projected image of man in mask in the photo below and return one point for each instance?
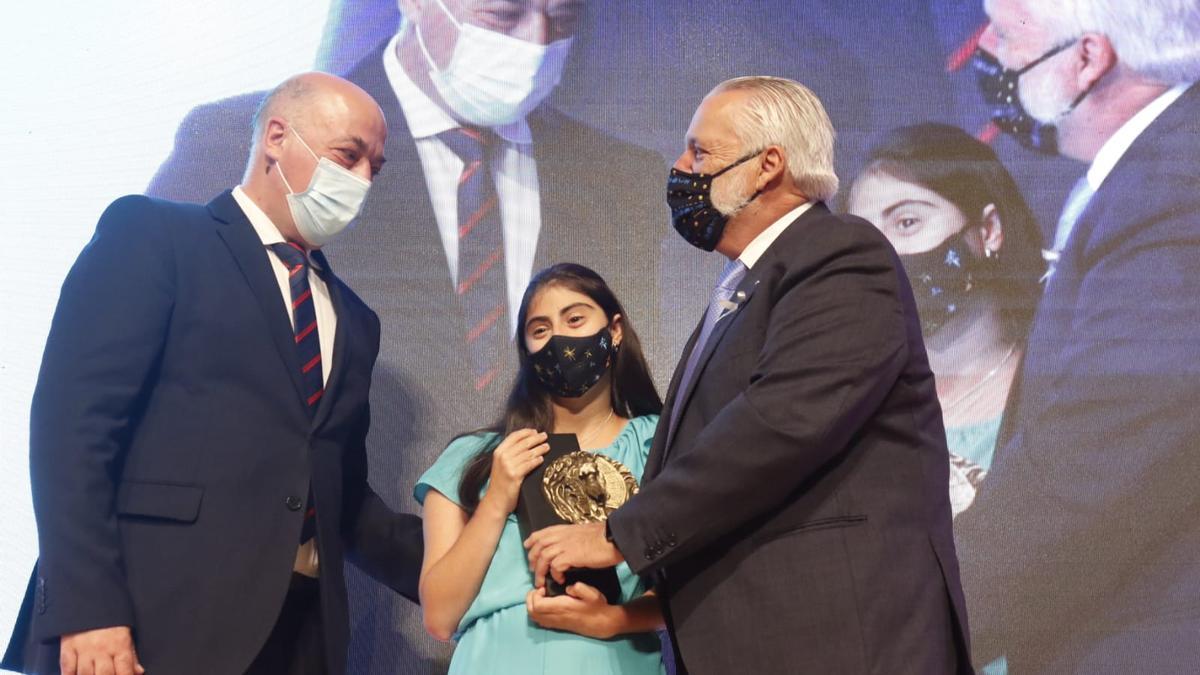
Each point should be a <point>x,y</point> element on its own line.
<point>1074,556</point>
<point>488,186</point>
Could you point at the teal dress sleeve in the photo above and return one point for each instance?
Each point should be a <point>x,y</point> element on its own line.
<point>446,473</point>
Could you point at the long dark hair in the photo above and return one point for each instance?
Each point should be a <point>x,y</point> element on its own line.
<point>967,173</point>
<point>529,405</point>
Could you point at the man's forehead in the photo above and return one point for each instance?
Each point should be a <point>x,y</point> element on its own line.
<point>349,119</point>
<point>350,139</point>
<point>712,120</point>
<point>369,139</point>
<point>1011,13</point>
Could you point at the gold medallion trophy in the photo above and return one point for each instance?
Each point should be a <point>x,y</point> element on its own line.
<point>573,486</point>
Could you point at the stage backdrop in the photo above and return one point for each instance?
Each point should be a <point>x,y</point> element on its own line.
<point>111,97</point>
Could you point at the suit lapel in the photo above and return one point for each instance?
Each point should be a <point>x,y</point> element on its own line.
<point>394,258</point>
<point>340,339</point>
<point>742,298</point>
<point>568,209</point>
<point>658,445</point>
<point>552,180</point>
<point>1145,150</point>
<point>251,257</point>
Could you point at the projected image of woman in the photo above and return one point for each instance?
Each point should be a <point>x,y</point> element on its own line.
<point>581,371</point>
<point>971,249</point>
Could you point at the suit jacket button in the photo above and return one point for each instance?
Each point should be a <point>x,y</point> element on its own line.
<point>293,503</point>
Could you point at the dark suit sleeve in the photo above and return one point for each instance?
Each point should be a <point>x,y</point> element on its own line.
<point>834,347</point>
<point>1105,465</point>
<point>385,544</point>
<point>104,342</point>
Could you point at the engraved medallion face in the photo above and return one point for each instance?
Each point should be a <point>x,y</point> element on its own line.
<point>584,488</point>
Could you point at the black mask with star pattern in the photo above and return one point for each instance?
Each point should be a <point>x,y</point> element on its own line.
<point>569,366</point>
<point>693,214</point>
<point>943,280</point>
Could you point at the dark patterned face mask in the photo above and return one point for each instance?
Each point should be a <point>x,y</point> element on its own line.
<point>1001,93</point>
<point>942,281</point>
<point>692,212</point>
<point>569,366</point>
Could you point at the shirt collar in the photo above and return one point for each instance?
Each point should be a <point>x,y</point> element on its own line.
<point>759,245</point>
<point>425,118</point>
<point>1114,148</point>
<point>263,226</point>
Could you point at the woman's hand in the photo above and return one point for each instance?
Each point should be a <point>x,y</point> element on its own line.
<point>518,454</point>
<point>582,610</point>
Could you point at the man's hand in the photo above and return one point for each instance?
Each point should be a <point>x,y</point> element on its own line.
<point>561,547</point>
<point>582,610</point>
<point>103,651</point>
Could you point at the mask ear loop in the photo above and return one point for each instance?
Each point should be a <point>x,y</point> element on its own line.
<point>1053,50</point>
<point>1079,99</point>
<point>752,197</point>
<point>421,38</point>
<point>1082,95</point>
<point>279,165</point>
<point>286,184</point>
<point>301,139</point>
<point>739,161</point>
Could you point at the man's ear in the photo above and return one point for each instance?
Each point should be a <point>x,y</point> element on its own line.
<point>772,164</point>
<point>1095,59</point>
<point>273,134</point>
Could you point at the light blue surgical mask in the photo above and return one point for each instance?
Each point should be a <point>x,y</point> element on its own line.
<point>494,79</point>
<point>334,198</point>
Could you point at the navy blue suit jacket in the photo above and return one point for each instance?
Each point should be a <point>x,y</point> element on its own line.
<point>1080,552</point>
<point>171,448</point>
<point>799,520</point>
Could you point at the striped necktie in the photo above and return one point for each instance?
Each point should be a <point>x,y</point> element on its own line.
<point>308,347</point>
<point>481,287</point>
<point>304,313</point>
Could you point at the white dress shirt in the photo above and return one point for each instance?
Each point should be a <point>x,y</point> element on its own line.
<point>326,317</point>
<point>759,245</point>
<point>1102,164</point>
<point>1114,148</point>
<point>306,561</point>
<point>515,173</point>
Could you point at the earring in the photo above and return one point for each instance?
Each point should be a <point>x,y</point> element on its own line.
<point>989,253</point>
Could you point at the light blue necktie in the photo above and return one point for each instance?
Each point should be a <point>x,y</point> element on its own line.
<point>1077,201</point>
<point>718,306</point>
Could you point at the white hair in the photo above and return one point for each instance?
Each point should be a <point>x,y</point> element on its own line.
<point>1158,39</point>
<point>782,112</point>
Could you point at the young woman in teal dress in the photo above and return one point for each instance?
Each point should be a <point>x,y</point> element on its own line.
<point>581,371</point>
<point>971,249</point>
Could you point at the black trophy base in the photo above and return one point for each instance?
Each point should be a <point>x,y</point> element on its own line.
<point>534,513</point>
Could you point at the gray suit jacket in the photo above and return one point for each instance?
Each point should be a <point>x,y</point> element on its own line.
<point>799,522</point>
